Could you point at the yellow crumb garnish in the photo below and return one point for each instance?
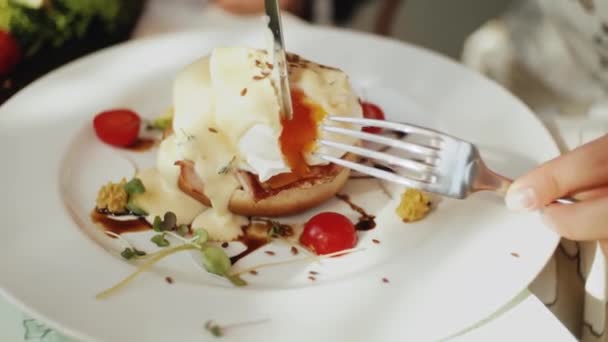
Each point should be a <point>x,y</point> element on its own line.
<point>414,206</point>
<point>113,197</point>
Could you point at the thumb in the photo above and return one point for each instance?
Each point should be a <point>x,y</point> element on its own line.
<point>581,169</point>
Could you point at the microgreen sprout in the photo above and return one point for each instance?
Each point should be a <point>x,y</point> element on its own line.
<point>135,209</point>
<point>129,252</point>
<point>226,168</point>
<point>182,230</point>
<point>167,223</point>
<point>161,123</point>
<point>159,240</point>
<point>214,259</point>
<point>220,330</point>
<point>134,186</point>
<point>189,137</point>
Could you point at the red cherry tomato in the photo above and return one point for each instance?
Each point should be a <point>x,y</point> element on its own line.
<point>10,53</point>
<point>328,232</point>
<point>371,111</point>
<point>118,127</point>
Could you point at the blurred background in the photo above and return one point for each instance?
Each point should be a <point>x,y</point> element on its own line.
<point>38,35</point>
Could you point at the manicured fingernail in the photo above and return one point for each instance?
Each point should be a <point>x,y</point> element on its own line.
<point>521,199</point>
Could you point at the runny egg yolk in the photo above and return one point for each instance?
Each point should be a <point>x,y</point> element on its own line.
<point>299,134</point>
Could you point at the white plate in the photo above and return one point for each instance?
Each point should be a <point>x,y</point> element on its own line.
<point>446,272</point>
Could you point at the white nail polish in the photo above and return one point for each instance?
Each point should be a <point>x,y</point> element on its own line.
<point>521,199</point>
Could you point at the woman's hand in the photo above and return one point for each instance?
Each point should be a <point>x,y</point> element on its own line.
<point>582,174</point>
<point>257,6</point>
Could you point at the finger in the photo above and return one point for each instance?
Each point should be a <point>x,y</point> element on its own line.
<point>583,221</point>
<point>604,247</point>
<point>578,170</point>
<point>592,194</point>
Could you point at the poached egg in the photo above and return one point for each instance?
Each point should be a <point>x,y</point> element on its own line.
<point>227,118</point>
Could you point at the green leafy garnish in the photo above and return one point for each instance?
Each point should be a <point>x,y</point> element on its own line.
<point>215,329</point>
<point>156,223</point>
<point>130,253</point>
<point>219,330</point>
<point>151,260</point>
<point>167,223</point>
<point>161,123</point>
<point>134,186</point>
<point>159,240</point>
<point>182,230</point>
<point>236,280</point>
<point>215,260</point>
<point>201,236</point>
<point>42,24</point>
<point>226,168</point>
<point>274,229</point>
<point>135,209</point>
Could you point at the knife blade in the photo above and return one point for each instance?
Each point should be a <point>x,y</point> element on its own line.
<point>279,59</point>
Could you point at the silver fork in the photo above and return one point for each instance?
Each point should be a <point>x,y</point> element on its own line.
<point>435,162</point>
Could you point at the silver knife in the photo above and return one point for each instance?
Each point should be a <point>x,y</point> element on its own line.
<point>279,59</point>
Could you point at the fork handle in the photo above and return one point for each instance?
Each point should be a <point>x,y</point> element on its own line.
<point>490,180</point>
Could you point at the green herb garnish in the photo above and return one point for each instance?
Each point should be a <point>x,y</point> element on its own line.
<point>160,241</point>
<point>165,224</point>
<point>135,209</point>
<point>219,331</point>
<point>214,259</point>
<point>134,186</point>
<point>182,230</point>
<point>161,123</point>
<point>215,329</point>
<point>130,253</point>
<point>274,229</point>
<point>201,236</point>
<point>224,170</point>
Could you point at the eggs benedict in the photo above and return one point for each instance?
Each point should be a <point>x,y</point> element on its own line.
<point>229,152</point>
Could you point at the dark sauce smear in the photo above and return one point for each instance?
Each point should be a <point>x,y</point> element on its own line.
<point>366,221</point>
<point>142,145</point>
<point>119,227</point>
<point>259,232</point>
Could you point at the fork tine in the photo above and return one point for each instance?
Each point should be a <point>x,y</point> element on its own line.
<point>370,171</point>
<point>423,151</point>
<point>397,126</point>
<point>407,164</point>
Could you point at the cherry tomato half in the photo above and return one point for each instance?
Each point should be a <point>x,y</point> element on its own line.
<point>118,127</point>
<point>372,111</point>
<point>328,232</point>
<point>10,52</point>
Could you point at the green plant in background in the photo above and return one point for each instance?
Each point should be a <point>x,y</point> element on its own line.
<point>37,24</point>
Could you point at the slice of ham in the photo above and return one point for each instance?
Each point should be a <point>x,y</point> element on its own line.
<point>190,183</point>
